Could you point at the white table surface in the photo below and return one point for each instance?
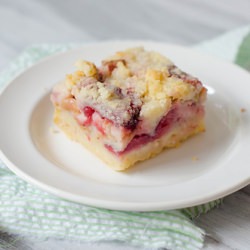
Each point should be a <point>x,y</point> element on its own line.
<point>25,22</point>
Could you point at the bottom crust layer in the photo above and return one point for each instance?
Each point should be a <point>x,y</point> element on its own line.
<point>84,135</point>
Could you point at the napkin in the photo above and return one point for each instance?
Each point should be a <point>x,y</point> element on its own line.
<point>27,210</point>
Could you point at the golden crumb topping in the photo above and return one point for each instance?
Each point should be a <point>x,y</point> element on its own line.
<point>87,68</point>
<point>131,86</point>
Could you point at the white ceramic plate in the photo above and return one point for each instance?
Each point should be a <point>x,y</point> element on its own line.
<point>32,148</point>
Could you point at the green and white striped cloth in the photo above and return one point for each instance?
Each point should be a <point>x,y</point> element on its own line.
<point>27,210</point>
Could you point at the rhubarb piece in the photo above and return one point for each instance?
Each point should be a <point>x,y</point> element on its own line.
<point>130,108</point>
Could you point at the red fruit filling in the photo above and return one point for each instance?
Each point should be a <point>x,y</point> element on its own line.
<point>175,115</point>
<point>88,111</point>
<point>90,116</point>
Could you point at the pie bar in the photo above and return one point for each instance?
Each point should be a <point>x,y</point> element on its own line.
<point>129,109</point>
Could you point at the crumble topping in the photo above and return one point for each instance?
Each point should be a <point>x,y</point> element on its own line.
<point>87,68</point>
<point>121,105</point>
<point>131,87</point>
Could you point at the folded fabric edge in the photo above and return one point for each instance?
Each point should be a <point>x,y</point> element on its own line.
<point>224,46</point>
<point>163,240</point>
<point>243,55</point>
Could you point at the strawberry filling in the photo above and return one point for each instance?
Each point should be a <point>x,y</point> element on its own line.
<point>174,116</point>
<point>179,113</point>
<point>89,116</point>
<point>88,112</point>
<point>163,126</point>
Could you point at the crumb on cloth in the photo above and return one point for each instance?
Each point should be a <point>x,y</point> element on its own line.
<point>195,158</point>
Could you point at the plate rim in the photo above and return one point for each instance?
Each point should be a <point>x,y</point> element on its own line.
<point>116,205</point>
